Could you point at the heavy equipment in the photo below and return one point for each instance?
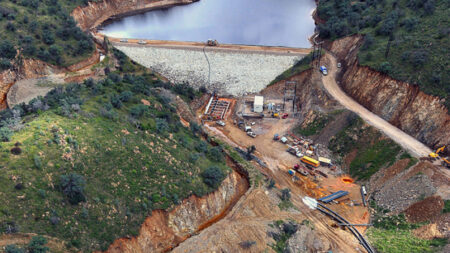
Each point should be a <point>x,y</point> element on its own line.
<point>435,156</point>
<point>212,43</point>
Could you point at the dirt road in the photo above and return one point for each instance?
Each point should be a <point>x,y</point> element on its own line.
<point>416,148</point>
<point>200,45</point>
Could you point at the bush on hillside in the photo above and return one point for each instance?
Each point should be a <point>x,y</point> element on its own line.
<point>213,176</point>
<point>72,186</point>
<point>37,244</point>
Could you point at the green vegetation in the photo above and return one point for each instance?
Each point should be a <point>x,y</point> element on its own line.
<point>42,30</point>
<point>446,206</point>
<point>373,150</point>
<point>406,39</point>
<point>399,241</point>
<point>286,230</point>
<point>392,234</point>
<point>88,162</point>
<point>299,67</point>
<point>36,245</point>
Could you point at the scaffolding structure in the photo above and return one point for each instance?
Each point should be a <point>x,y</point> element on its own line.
<point>290,89</point>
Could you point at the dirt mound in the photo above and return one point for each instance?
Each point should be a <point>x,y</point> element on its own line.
<point>427,232</point>
<point>424,210</point>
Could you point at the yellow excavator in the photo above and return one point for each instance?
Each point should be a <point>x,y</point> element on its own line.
<point>435,156</point>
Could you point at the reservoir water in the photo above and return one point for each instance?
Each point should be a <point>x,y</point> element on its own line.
<point>249,22</point>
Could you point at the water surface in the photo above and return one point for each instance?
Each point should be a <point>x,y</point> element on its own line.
<point>250,22</point>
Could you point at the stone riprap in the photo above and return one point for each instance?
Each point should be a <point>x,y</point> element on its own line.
<point>233,72</point>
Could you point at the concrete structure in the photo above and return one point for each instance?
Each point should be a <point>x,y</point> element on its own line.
<point>258,104</point>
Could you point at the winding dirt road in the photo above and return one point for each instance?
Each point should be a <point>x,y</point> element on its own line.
<point>409,143</point>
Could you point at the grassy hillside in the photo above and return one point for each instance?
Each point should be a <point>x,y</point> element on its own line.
<point>373,150</point>
<point>43,30</point>
<point>88,162</point>
<point>407,39</point>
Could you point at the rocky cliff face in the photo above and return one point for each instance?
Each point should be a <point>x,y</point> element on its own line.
<point>95,13</point>
<point>402,104</point>
<point>164,230</point>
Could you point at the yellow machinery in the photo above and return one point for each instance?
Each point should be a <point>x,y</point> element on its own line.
<point>435,155</point>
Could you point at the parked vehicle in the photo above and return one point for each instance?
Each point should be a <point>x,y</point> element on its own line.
<point>324,71</point>
<point>285,116</point>
<point>142,42</point>
<point>284,139</point>
<point>310,161</point>
<point>248,128</point>
<point>276,137</point>
<point>124,40</point>
<point>220,123</point>
<point>251,134</point>
<point>339,65</point>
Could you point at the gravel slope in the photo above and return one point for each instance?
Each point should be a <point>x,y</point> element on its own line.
<point>232,72</point>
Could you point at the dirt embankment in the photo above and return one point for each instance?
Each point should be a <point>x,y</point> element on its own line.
<point>30,68</point>
<point>164,230</point>
<point>95,13</point>
<point>401,104</point>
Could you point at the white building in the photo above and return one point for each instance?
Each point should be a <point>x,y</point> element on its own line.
<point>258,105</point>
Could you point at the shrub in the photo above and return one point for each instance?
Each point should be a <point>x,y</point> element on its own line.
<point>213,176</point>
<point>285,194</point>
<point>161,125</point>
<point>138,111</point>
<point>201,147</point>
<point>36,245</point>
<point>271,184</point>
<point>5,64</point>
<point>215,154</point>
<point>5,134</point>
<point>115,101</point>
<point>247,244</point>
<point>290,228</point>
<point>7,50</point>
<point>37,162</point>
<point>16,151</point>
<point>13,249</point>
<point>72,186</point>
<point>385,67</point>
<point>195,128</point>
<point>126,96</point>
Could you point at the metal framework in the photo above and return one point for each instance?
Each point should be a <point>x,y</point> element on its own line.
<point>218,108</point>
<point>290,89</point>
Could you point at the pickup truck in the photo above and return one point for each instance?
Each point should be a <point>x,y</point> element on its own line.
<point>251,134</point>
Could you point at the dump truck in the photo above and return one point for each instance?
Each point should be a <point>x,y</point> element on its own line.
<point>310,161</point>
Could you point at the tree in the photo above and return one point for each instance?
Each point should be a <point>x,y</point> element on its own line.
<point>213,176</point>
<point>72,186</point>
<point>5,64</point>
<point>36,245</point>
